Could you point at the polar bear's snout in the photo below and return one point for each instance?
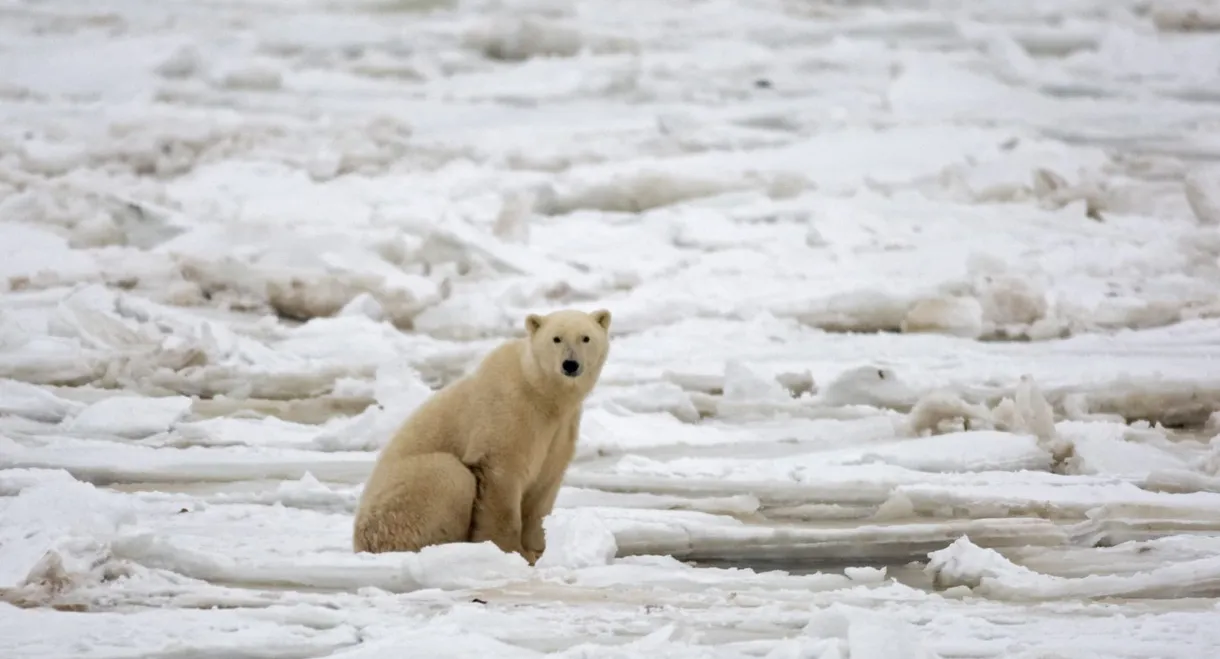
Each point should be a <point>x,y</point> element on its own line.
<point>571,368</point>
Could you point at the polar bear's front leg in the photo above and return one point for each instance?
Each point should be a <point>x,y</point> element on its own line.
<point>497,508</point>
<point>540,497</point>
<point>537,505</point>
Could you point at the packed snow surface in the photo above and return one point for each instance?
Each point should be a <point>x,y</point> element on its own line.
<point>916,338</point>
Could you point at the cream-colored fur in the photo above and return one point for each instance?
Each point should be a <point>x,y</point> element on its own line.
<point>482,459</point>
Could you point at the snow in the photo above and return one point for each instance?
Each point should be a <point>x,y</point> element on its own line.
<point>916,341</point>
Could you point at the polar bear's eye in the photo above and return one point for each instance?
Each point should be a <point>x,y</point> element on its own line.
<point>556,339</point>
<point>584,339</point>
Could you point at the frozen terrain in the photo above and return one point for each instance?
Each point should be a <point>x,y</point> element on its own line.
<point>916,344</point>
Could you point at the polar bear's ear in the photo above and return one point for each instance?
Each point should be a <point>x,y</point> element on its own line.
<point>601,317</point>
<point>533,323</point>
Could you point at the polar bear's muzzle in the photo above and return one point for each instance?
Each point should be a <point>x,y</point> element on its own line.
<point>571,368</point>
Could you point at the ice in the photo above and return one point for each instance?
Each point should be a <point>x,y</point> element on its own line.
<point>915,350</point>
<point>194,632</point>
<point>955,316</point>
<point>30,402</point>
<point>14,481</point>
<point>130,416</point>
<point>1101,448</point>
<point>986,571</point>
<point>52,517</point>
<point>863,633</point>
<point>1200,187</point>
<point>438,640</point>
<point>1186,16</point>
<point>28,249</point>
<point>576,539</point>
<point>397,390</point>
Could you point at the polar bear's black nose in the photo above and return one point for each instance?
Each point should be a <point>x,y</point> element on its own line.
<point>571,367</point>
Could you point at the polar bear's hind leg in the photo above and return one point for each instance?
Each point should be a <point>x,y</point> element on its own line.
<point>429,503</point>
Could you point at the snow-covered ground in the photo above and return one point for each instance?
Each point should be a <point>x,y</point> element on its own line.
<point>916,345</point>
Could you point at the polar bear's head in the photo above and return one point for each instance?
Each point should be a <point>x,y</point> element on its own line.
<point>570,345</point>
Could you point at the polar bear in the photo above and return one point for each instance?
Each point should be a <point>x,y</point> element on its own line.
<point>482,459</point>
